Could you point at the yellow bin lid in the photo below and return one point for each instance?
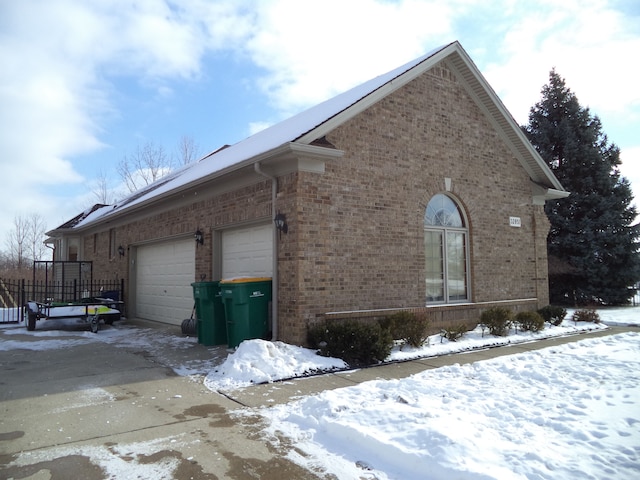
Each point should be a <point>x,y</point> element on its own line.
<point>245,280</point>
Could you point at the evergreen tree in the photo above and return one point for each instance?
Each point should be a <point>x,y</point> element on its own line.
<point>593,242</point>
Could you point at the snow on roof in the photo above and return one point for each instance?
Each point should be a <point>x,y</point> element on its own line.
<point>83,216</point>
<point>264,141</point>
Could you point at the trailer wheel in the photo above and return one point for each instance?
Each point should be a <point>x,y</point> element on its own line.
<point>31,321</point>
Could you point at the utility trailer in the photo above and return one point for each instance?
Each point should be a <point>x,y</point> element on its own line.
<point>66,289</point>
<point>91,310</point>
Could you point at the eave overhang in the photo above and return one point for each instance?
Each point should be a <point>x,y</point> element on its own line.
<point>287,158</point>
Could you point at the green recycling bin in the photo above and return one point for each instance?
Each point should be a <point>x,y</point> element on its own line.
<point>211,324</point>
<point>246,308</point>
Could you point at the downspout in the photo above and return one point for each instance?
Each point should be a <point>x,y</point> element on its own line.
<point>274,274</point>
<point>535,255</point>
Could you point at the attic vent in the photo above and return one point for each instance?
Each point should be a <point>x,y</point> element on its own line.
<point>323,142</point>
<point>442,71</point>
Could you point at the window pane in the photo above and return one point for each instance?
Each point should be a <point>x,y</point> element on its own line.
<point>442,211</point>
<point>456,266</point>
<point>433,248</point>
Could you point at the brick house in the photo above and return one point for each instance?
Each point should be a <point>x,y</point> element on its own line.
<point>415,190</point>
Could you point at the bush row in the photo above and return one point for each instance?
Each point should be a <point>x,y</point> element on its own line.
<point>359,343</point>
<point>498,320</point>
<point>356,343</point>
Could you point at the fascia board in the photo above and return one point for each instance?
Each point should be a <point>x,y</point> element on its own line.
<point>541,194</point>
<point>553,194</point>
<point>301,158</point>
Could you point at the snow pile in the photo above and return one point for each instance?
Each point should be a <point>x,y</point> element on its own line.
<point>564,412</point>
<point>259,361</point>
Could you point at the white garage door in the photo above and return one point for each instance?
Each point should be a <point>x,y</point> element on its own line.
<point>247,252</point>
<point>164,274</point>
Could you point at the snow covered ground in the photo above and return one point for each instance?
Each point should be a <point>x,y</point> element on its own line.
<point>566,412</point>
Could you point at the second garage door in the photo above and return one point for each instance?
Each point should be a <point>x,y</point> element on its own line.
<point>164,273</point>
<point>247,252</point>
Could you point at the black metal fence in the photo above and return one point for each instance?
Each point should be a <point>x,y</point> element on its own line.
<point>14,294</point>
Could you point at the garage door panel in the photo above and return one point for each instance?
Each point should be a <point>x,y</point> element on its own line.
<point>163,281</point>
<point>247,252</point>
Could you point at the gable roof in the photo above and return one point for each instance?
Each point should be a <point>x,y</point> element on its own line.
<point>302,129</point>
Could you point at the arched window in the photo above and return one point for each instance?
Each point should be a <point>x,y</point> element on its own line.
<point>446,251</point>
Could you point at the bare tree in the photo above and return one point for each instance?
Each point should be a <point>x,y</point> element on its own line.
<point>36,229</point>
<point>101,190</point>
<point>16,242</point>
<point>188,150</point>
<point>146,165</point>
<point>25,242</point>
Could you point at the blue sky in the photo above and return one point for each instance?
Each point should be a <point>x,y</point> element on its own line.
<point>83,84</point>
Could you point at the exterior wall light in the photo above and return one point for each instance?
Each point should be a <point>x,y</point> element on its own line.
<point>121,251</point>
<point>199,237</point>
<point>281,223</point>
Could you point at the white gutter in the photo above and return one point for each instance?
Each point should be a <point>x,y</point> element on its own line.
<point>274,273</point>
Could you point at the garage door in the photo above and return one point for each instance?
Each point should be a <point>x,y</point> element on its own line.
<point>164,274</point>
<point>247,252</point>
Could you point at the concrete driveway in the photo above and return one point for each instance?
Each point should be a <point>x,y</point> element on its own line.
<point>98,410</point>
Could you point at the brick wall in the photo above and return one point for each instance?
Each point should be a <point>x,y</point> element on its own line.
<point>359,226</point>
<point>355,239</point>
<point>246,204</point>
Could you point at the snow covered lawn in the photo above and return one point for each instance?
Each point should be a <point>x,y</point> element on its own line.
<point>565,412</point>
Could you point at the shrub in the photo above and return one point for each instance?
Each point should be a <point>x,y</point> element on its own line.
<point>409,327</point>
<point>586,315</point>
<point>455,332</point>
<point>553,314</point>
<point>316,335</point>
<point>356,343</point>
<point>530,321</point>
<point>497,320</point>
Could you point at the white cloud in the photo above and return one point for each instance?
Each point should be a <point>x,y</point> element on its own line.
<point>315,50</point>
<point>60,60</point>
<point>630,169</point>
<point>589,44</point>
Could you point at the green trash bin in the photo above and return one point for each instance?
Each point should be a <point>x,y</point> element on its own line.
<point>246,308</point>
<point>211,325</point>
